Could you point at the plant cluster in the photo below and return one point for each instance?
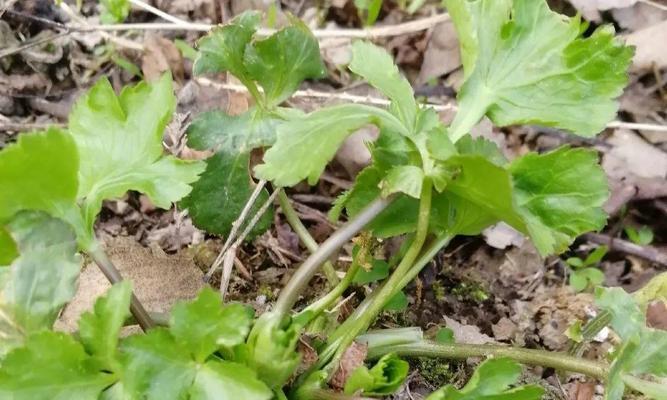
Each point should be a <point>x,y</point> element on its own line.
<point>427,181</point>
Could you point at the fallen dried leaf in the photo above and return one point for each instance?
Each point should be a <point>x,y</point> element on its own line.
<point>442,54</point>
<point>161,55</point>
<point>650,47</point>
<point>352,358</point>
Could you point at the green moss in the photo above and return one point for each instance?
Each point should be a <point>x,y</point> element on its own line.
<point>435,371</point>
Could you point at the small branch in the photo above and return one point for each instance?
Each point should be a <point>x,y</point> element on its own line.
<point>159,13</point>
<point>649,253</point>
<point>231,252</point>
<point>305,272</point>
<point>342,96</point>
<point>30,44</point>
<point>19,127</point>
<point>84,26</point>
<point>304,235</point>
<point>113,275</point>
<point>370,33</point>
<point>236,225</point>
<point>459,351</point>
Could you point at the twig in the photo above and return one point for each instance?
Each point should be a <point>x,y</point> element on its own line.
<point>84,26</point>
<point>236,225</point>
<point>113,275</point>
<point>159,13</point>
<point>25,46</point>
<point>19,127</point>
<point>309,93</point>
<point>370,33</point>
<point>649,253</point>
<point>230,256</point>
<point>654,4</point>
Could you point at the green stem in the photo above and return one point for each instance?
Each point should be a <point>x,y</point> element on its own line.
<point>560,361</point>
<point>304,235</point>
<point>293,288</point>
<point>390,287</point>
<point>113,275</point>
<point>328,299</point>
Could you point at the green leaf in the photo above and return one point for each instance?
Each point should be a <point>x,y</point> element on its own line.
<point>482,147</point>
<point>305,145</point>
<point>376,66</point>
<point>8,249</point>
<point>203,326</point>
<point>120,146</point>
<point>406,179</point>
<point>575,262</point>
<point>584,278</point>
<point>627,317</point>
<point>51,366</point>
<point>99,329</point>
<point>40,281</point>
<point>39,172</point>
<point>186,50</point>
<point>398,302</point>
<point>114,11</point>
<point>280,62</point>
<point>596,255</point>
<point>642,236</point>
<point>219,196</point>
<point>491,381</point>
<point>218,131</point>
<point>271,349</point>
<point>444,335</point>
<point>528,65</point>
<point>378,271</point>
<point>643,350</point>
<point>156,367</point>
<point>559,195</point>
<point>224,47</point>
<point>228,381</point>
<point>384,378</point>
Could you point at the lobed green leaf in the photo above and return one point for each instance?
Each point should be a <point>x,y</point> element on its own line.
<point>40,281</point>
<point>384,378</point>
<point>525,64</point>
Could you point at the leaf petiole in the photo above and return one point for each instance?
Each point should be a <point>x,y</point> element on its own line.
<point>113,275</point>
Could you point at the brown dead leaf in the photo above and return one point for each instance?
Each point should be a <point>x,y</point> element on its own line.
<point>505,329</point>
<point>352,358</point>
<point>159,280</point>
<point>442,54</point>
<point>639,16</point>
<point>501,236</point>
<point>582,391</point>
<point>590,9</point>
<point>650,47</point>
<point>469,334</point>
<point>161,55</point>
<point>631,154</point>
<point>353,154</point>
<point>656,315</point>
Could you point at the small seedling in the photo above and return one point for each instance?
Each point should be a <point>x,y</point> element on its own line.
<point>642,236</point>
<point>585,273</point>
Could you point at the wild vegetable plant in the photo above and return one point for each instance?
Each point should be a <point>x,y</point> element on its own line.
<point>427,181</point>
<point>584,272</point>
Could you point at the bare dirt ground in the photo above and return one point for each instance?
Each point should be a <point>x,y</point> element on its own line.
<point>492,288</point>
